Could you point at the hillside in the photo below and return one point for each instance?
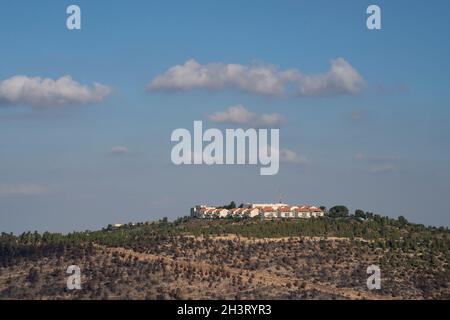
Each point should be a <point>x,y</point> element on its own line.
<point>323,258</point>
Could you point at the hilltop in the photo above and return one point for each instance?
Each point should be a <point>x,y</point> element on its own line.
<point>321,258</point>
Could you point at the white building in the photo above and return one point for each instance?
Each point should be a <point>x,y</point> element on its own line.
<point>264,205</point>
<point>263,210</point>
<point>222,213</point>
<point>252,212</point>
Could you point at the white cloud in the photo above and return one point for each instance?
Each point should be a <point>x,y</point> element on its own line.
<point>22,190</point>
<point>289,156</point>
<point>214,76</point>
<point>342,78</point>
<point>119,150</point>
<point>239,115</point>
<point>43,92</point>
<point>271,119</point>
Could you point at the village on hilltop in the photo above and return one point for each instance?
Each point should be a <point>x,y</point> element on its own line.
<point>249,210</point>
<point>261,210</point>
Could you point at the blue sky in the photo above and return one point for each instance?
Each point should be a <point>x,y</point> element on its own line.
<point>383,149</point>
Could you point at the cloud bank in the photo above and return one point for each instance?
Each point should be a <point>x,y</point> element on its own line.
<point>287,156</point>
<point>239,115</point>
<point>342,78</point>
<point>291,157</point>
<point>44,92</point>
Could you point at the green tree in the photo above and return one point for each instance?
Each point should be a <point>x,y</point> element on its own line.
<point>338,212</point>
<point>232,205</point>
<point>360,214</point>
<point>402,220</point>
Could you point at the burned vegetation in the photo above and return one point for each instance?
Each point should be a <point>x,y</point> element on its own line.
<point>249,259</point>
